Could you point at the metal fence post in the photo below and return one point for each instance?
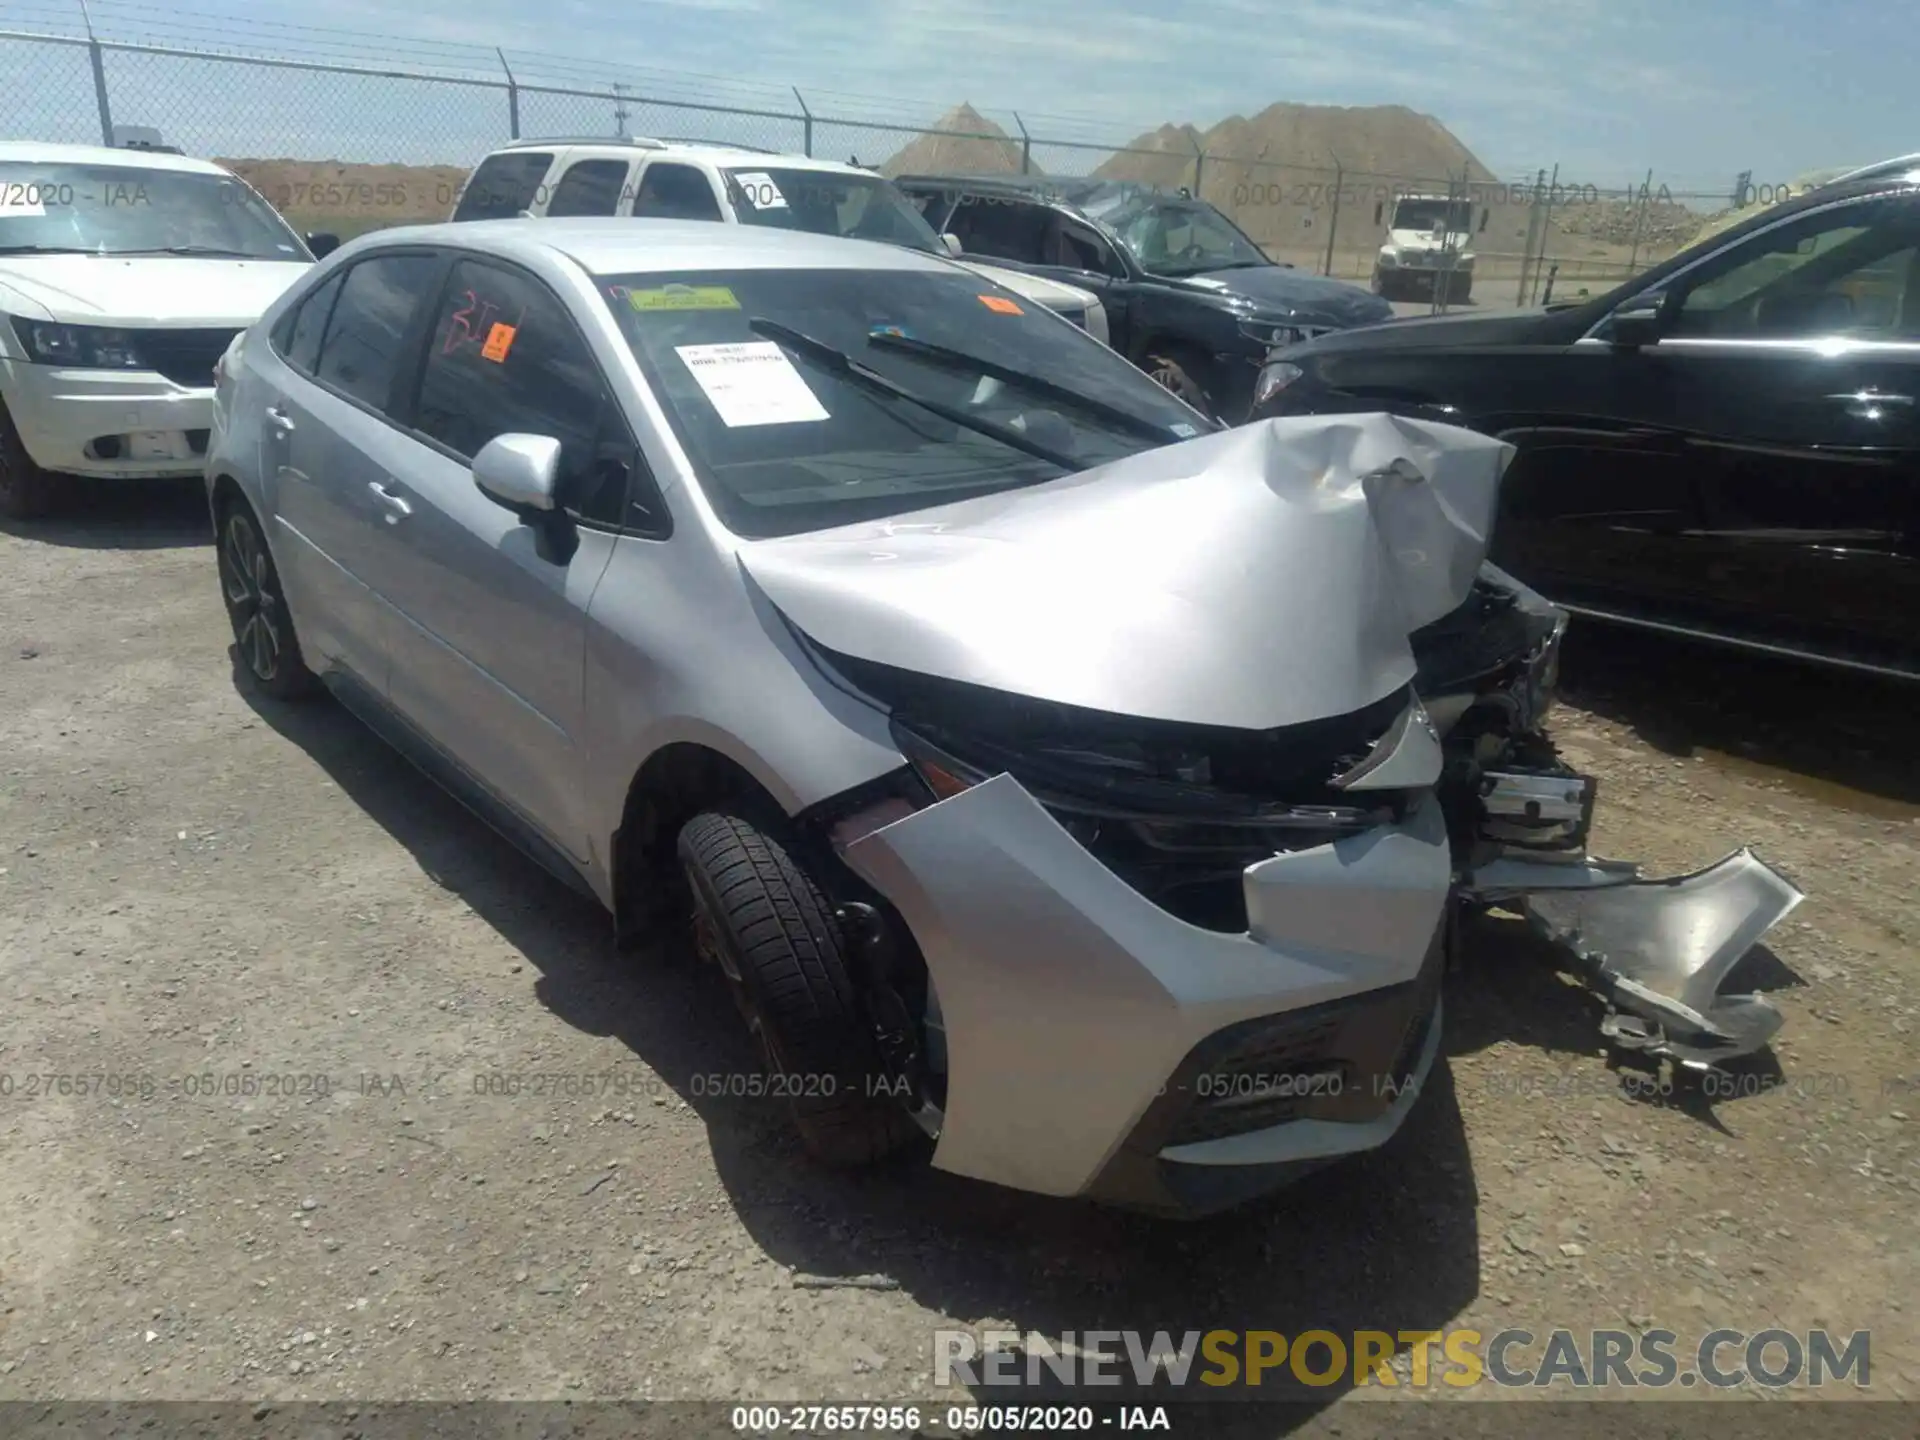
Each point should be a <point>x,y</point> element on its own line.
<point>1640,225</point>
<point>513,96</point>
<point>1199,161</point>
<point>1533,236</point>
<point>806,121</point>
<point>99,77</point>
<point>1546,232</point>
<point>1333,221</point>
<point>1026,145</point>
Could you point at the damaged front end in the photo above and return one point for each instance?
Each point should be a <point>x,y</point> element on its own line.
<point>1203,754</point>
<point>1657,951</point>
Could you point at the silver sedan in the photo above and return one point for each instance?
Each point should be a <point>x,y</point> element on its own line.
<point>1058,780</point>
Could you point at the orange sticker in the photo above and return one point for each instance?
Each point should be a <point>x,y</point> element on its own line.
<point>499,341</point>
<point>1000,305</point>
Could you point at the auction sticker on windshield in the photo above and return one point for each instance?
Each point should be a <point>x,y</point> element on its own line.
<point>1000,305</point>
<point>684,297</point>
<point>751,384</point>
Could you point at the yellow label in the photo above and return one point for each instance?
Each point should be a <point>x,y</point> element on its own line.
<point>684,297</point>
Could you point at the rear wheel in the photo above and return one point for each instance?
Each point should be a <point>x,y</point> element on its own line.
<point>26,491</point>
<point>263,638</point>
<point>772,934</point>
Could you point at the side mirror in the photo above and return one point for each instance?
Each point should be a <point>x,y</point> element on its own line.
<point>1638,321</point>
<point>1379,212</point>
<point>952,242</point>
<point>519,472</point>
<point>322,243</point>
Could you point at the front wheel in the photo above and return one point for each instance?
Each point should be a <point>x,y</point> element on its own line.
<point>263,638</point>
<point>772,933</point>
<point>26,491</point>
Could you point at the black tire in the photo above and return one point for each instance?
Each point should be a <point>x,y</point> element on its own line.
<point>26,491</point>
<point>1181,374</point>
<point>771,931</point>
<point>264,641</point>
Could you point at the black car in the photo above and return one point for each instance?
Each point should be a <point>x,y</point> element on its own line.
<point>1189,298</point>
<point>1726,446</point>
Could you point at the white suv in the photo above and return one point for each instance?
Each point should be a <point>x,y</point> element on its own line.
<point>124,275</point>
<point>734,185</point>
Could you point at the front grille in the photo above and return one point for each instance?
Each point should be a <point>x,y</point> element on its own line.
<point>186,357</point>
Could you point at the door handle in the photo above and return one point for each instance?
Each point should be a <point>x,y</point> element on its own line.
<point>1869,404</point>
<point>279,420</point>
<point>400,508</point>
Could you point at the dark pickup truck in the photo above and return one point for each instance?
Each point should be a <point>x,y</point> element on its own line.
<point>1189,297</point>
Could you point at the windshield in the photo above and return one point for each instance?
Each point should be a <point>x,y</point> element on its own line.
<point>853,207</point>
<point>1183,237</point>
<point>783,443</point>
<point>125,210</point>
<point>1431,215</point>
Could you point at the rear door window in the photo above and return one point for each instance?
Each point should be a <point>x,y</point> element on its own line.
<point>675,192</point>
<point>504,185</point>
<point>361,352</point>
<point>298,341</point>
<point>590,187</point>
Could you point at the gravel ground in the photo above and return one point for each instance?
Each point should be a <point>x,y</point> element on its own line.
<point>301,970</point>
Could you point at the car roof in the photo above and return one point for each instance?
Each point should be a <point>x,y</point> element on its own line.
<point>714,151</point>
<point>621,245</point>
<point>1041,187</point>
<point>36,152</point>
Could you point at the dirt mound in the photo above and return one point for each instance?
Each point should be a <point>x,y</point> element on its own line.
<point>1665,226</point>
<point>1385,141</point>
<point>347,199</point>
<point>961,142</point>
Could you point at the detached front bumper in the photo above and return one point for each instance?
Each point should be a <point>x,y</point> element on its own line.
<point>133,424</point>
<point>1098,1046</point>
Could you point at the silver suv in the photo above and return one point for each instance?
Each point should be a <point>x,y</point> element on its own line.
<point>1051,774</point>
<point>734,185</point>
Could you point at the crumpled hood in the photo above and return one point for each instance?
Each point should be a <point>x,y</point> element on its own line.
<point>1283,292</point>
<point>146,290</point>
<point>1250,578</point>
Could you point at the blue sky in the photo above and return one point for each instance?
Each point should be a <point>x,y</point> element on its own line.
<point>1605,88</point>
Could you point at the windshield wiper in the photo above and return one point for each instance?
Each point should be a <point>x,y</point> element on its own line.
<point>45,250</point>
<point>841,363</point>
<point>961,360</point>
<point>219,251</point>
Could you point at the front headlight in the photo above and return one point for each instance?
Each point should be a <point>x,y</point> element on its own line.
<point>1389,254</point>
<point>1274,377</point>
<point>1265,332</point>
<point>92,347</point>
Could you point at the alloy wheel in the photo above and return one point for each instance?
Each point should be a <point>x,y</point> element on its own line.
<point>246,573</point>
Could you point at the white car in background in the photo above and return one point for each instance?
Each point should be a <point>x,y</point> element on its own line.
<point>124,276</point>
<point>731,184</point>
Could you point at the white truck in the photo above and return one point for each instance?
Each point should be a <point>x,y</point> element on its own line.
<point>1426,254</point>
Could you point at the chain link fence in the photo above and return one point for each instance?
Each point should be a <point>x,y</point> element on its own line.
<point>348,147</point>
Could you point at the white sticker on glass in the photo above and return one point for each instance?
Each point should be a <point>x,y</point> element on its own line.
<point>760,190</point>
<point>751,384</point>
